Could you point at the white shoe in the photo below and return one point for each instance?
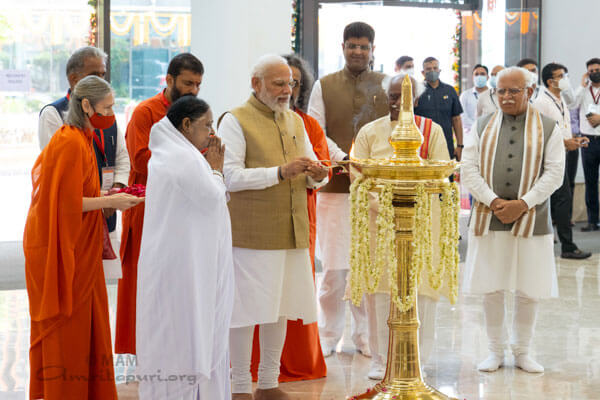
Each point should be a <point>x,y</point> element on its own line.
<point>327,349</point>
<point>527,364</point>
<point>363,348</point>
<point>491,363</point>
<point>377,372</point>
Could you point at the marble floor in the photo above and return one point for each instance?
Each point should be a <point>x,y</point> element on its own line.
<point>567,343</point>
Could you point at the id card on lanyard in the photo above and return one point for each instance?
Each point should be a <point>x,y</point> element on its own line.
<point>108,173</point>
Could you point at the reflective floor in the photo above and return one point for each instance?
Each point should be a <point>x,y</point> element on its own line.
<point>567,343</point>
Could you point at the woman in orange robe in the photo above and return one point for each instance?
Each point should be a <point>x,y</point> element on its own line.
<point>302,357</point>
<point>70,355</point>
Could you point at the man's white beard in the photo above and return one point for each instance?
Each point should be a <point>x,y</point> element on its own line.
<point>272,103</point>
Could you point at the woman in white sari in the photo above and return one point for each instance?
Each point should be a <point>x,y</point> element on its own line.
<point>185,275</point>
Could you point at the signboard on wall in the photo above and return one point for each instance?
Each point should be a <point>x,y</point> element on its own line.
<point>15,80</point>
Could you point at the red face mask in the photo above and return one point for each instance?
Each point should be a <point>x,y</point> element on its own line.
<point>102,122</point>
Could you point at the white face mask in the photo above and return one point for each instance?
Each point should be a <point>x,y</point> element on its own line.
<point>564,84</point>
<point>409,71</point>
<point>535,77</point>
<point>493,81</point>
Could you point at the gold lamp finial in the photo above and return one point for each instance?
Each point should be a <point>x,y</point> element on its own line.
<point>406,138</point>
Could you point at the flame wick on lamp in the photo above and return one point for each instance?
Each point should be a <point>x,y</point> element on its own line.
<point>406,139</point>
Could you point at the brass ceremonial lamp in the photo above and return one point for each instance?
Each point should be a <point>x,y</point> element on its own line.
<point>404,170</point>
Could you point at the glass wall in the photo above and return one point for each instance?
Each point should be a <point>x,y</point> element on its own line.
<point>145,35</point>
<point>36,39</point>
<point>497,35</point>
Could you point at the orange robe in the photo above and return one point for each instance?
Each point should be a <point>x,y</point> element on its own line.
<point>71,354</point>
<point>302,357</point>
<point>146,114</point>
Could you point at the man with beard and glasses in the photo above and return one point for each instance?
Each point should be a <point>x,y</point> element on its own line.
<point>342,103</point>
<point>269,163</point>
<point>184,77</point>
<point>302,357</point>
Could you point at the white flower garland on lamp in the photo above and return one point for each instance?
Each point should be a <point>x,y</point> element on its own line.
<point>365,274</point>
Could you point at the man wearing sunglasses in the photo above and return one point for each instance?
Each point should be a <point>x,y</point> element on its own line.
<point>512,164</point>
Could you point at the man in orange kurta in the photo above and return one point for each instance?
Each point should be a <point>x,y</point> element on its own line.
<point>302,357</point>
<point>184,77</point>
<point>70,354</point>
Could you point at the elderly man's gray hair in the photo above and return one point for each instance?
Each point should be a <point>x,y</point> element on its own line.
<point>528,76</point>
<point>386,84</point>
<point>77,59</point>
<point>265,62</point>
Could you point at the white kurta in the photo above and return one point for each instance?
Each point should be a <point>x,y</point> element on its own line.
<point>486,104</point>
<point>185,275</point>
<point>469,99</point>
<point>499,260</point>
<point>268,283</point>
<point>557,109</point>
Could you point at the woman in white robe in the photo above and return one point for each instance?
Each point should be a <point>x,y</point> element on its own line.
<point>185,275</point>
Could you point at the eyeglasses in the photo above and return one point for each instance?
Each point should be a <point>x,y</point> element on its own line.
<point>363,47</point>
<point>281,83</point>
<point>511,91</point>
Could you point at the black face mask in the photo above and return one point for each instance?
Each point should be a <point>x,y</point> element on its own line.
<point>595,77</point>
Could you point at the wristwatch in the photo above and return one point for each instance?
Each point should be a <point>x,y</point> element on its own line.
<point>460,146</point>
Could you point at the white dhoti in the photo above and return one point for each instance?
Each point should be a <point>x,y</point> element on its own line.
<point>272,286</point>
<point>333,239</point>
<point>500,261</point>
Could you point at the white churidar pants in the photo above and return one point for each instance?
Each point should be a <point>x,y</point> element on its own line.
<point>333,240</point>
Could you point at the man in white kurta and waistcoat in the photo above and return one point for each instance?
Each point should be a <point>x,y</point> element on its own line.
<point>372,141</point>
<point>343,102</point>
<point>185,275</point>
<point>512,165</point>
<point>269,163</point>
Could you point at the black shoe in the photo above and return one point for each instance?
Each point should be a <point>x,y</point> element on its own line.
<point>576,254</point>
<point>590,227</point>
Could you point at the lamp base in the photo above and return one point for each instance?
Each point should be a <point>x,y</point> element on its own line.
<point>414,389</point>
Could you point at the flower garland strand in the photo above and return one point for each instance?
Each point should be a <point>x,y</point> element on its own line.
<point>421,253</point>
<point>365,274</point>
<point>385,253</point>
<point>449,255</point>
<point>360,252</point>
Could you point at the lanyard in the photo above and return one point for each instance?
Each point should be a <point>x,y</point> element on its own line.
<point>476,95</point>
<point>100,145</point>
<point>492,99</point>
<point>560,107</point>
<point>596,98</point>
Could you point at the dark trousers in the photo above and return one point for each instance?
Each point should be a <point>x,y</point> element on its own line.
<point>561,202</point>
<point>571,168</point>
<point>590,158</point>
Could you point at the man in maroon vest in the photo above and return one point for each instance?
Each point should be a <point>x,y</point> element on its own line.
<point>342,102</point>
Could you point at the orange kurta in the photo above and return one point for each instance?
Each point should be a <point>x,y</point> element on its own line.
<point>302,357</point>
<point>71,354</point>
<point>146,114</point>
